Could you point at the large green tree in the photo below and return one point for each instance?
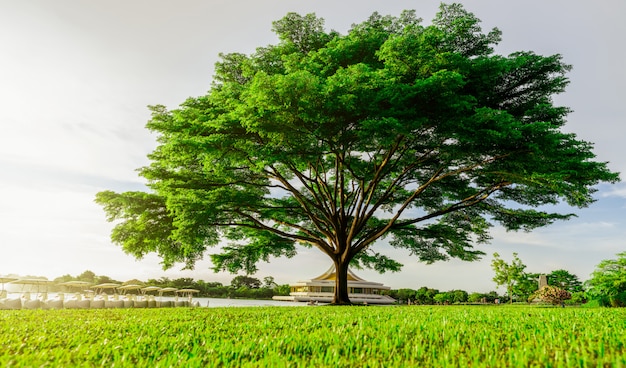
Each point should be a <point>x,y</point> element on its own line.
<point>417,133</point>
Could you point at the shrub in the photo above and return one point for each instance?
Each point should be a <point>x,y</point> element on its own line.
<point>551,294</point>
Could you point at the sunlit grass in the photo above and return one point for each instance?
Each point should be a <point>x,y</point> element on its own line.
<point>315,337</point>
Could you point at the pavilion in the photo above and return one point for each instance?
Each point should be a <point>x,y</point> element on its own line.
<point>322,288</point>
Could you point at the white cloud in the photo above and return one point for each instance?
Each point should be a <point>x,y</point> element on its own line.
<point>618,190</point>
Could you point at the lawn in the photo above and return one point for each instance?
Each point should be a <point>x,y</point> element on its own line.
<point>429,336</point>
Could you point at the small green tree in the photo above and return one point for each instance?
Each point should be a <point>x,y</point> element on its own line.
<point>607,284</point>
<point>510,275</point>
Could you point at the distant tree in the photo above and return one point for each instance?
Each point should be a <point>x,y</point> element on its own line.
<point>492,296</point>
<point>607,284</point>
<point>268,282</point>
<point>283,289</point>
<point>403,295</point>
<point>458,296</point>
<point>105,279</point>
<point>443,298</point>
<point>489,297</point>
<point>155,282</point>
<point>417,133</point>
<point>510,275</point>
<point>475,297</point>
<point>183,283</point>
<point>64,278</point>
<point>165,282</point>
<point>88,276</point>
<point>246,281</point>
<point>425,295</point>
<point>565,280</point>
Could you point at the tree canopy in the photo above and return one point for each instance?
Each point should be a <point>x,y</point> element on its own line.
<point>608,282</point>
<point>510,275</point>
<point>565,280</point>
<point>416,133</point>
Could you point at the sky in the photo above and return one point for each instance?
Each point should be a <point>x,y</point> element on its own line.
<point>76,78</point>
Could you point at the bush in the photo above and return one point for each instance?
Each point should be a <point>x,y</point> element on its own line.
<point>578,297</point>
<point>551,294</point>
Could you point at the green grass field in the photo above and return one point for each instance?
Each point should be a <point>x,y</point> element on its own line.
<point>444,336</point>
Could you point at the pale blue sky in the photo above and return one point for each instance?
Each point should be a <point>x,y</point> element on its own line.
<point>76,77</point>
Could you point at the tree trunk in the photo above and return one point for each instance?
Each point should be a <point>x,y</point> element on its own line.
<point>341,283</point>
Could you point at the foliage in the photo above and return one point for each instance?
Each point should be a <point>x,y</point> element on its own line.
<point>64,278</point>
<point>458,296</point>
<point>403,295</point>
<point>88,276</point>
<point>247,281</point>
<point>551,294</point>
<point>564,280</point>
<point>268,282</point>
<point>578,297</point>
<point>428,296</point>
<point>527,285</point>
<point>102,279</point>
<point>418,133</point>
<point>607,284</point>
<point>442,298</point>
<point>489,297</point>
<point>315,337</point>
<point>510,275</point>
<point>283,289</point>
<point>425,295</point>
<point>451,297</point>
<point>422,296</point>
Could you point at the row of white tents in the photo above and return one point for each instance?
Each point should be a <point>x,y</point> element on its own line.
<point>34,294</point>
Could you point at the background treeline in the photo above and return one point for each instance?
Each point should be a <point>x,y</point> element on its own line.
<point>606,287</point>
<point>253,288</point>
<point>240,286</point>
<point>521,287</point>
